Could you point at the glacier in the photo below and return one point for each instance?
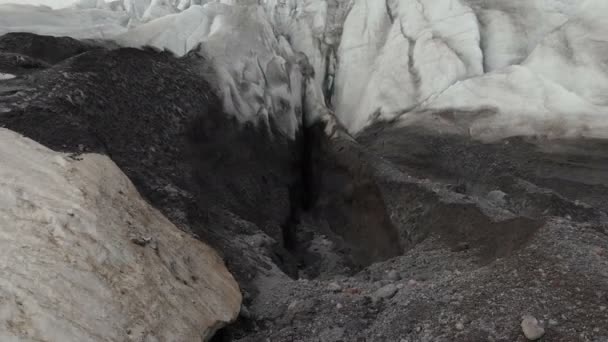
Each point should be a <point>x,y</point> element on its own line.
<point>533,67</point>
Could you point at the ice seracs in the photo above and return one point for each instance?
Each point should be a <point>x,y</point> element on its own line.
<point>395,54</point>
<point>531,66</point>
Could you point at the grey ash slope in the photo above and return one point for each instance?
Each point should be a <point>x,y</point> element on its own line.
<point>403,234</point>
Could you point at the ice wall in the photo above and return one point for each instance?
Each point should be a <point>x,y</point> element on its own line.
<point>531,66</point>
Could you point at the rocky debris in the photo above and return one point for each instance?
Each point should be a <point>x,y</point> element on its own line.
<point>532,328</point>
<point>77,277</point>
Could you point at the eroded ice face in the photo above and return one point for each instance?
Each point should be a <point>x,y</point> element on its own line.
<point>536,64</point>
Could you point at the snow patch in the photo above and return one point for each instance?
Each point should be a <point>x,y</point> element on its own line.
<point>6,76</point>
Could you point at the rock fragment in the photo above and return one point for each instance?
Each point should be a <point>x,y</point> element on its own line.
<point>532,328</point>
<point>393,275</point>
<point>384,292</point>
<point>334,287</point>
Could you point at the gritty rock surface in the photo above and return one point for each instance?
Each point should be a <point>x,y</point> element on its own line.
<point>71,272</point>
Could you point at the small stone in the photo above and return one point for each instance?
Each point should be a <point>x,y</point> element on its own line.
<point>553,322</point>
<point>602,308</point>
<point>531,328</point>
<point>245,312</point>
<point>412,282</point>
<point>393,275</point>
<point>292,305</point>
<point>140,240</point>
<point>339,306</point>
<point>334,287</point>
<point>459,326</point>
<point>385,292</point>
<point>497,196</point>
<point>596,330</point>
<point>461,247</point>
<point>400,286</point>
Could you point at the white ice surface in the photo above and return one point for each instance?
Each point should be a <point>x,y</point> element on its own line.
<point>6,76</point>
<point>538,65</point>
<point>89,23</point>
<point>379,58</point>
<point>561,89</point>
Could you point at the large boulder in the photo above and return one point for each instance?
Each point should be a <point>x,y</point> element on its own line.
<point>85,258</point>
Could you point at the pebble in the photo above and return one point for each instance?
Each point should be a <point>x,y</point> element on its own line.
<point>459,326</point>
<point>292,305</point>
<point>553,322</point>
<point>140,240</point>
<point>531,328</point>
<point>497,196</point>
<point>385,292</point>
<point>393,275</point>
<point>334,287</point>
<point>412,282</point>
<point>245,312</point>
<point>602,308</point>
<point>339,306</point>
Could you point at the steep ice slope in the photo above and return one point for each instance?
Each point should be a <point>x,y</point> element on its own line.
<point>84,258</point>
<point>559,90</point>
<point>261,51</point>
<point>258,72</point>
<point>76,23</point>
<point>396,55</point>
<point>255,47</point>
<point>375,59</point>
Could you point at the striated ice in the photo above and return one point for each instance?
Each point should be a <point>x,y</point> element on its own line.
<point>529,66</point>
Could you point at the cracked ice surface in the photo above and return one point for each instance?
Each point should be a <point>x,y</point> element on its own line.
<point>538,65</point>
<point>531,66</point>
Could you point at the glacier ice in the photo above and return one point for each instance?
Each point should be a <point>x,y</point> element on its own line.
<point>532,66</point>
<point>4,76</point>
<point>410,56</point>
<point>72,22</point>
